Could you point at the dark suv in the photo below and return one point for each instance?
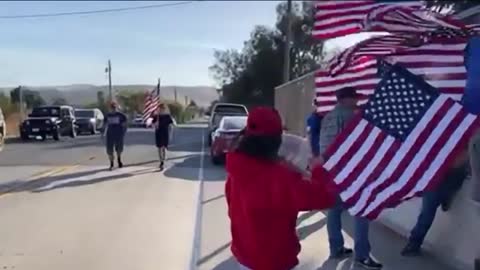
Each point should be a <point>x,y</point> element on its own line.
<point>54,121</point>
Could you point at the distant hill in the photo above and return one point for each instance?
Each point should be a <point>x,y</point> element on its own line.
<point>81,94</point>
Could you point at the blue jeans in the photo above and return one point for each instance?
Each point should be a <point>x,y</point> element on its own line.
<point>335,237</point>
<point>431,200</point>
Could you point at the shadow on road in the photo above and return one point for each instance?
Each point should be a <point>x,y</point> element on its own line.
<point>305,231</point>
<point>229,264</point>
<point>188,169</point>
<point>214,253</point>
<point>67,180</point>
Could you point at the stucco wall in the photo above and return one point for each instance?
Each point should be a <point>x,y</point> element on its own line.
<point>294,102</point>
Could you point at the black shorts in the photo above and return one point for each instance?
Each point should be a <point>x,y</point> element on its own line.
<point>114,143</point>
<point>161,138</point>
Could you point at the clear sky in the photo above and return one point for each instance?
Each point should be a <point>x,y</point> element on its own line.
<point>174,43</point>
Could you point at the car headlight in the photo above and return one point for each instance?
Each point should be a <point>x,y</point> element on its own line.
<point>92,120</point>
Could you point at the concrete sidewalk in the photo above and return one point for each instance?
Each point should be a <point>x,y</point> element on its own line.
<point>386,244</point>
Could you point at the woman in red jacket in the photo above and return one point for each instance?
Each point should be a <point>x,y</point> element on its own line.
<point>265,194</point>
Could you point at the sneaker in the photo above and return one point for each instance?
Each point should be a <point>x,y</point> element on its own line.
<point>411,250</point>
<point>446,205</point>
<point>120,164</point>
<point>111,165</point>
<point>368,263</point>
<point>342,253</point>
<point>161,166</point>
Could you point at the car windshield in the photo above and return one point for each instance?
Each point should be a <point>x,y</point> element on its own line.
<point>217,118</point>
<point>84,113</point>
<point>46,111</point>
<point>234,123</point>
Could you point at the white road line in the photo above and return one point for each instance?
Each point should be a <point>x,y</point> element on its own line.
<point>196,243</point>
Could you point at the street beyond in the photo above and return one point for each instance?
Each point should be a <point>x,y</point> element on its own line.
<point>62,209</point>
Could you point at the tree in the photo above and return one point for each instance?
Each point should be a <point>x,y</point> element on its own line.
<point>192,104</point>
<point>59,101</point>
<point>101,103</point>
<point>30,98</point>
<point>250,76</point>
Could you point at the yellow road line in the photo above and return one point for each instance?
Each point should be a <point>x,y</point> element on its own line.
<point>45,173</point>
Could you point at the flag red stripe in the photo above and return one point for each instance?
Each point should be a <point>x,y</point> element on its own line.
<point>454,154</point>
<point>352,124</point>
<point>341,164</point>
<point>377,171</point>
<point>423,136</point>
<point>395,199</point>
<point>368,156</point>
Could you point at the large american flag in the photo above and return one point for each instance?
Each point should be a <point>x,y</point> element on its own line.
<point>152,100</point>
<point>404,139</point>
<point>336,18</point>
<point>438,58</point>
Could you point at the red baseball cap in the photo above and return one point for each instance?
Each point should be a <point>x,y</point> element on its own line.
<point>264,121</point>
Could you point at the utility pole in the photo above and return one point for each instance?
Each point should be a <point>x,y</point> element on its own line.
<point>175,93</point>
<point>288,38</point>
<point>109,70</point>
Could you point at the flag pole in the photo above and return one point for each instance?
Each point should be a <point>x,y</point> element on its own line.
<point>158,88</point>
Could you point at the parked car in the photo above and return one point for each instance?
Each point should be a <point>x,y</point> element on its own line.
<point>221,110</point>
<point>138,121</point>
<point>3,130</point>
<point>223,137</point>
<point>54,121</point>
<point>89,120</point>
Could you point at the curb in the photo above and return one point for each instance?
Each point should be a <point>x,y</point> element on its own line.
<point>10,139</point>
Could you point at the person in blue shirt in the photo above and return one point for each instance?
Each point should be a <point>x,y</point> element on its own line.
<point>116,126</point>
<point>314,121</point>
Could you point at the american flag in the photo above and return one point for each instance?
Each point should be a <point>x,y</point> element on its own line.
<point>335,18</point>
<point>397,44</point>
<point>152,100</point>
<point>357,66</point>
<point>397,147</point>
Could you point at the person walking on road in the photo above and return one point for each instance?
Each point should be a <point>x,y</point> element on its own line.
<point>116,127</point>
<point>162,122</point>
<point>265,194</point>
<point>332,124</point>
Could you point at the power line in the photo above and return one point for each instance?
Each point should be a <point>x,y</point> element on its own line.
<point>94,11</point>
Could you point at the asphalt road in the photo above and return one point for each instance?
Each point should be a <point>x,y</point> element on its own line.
<point>61,209</point>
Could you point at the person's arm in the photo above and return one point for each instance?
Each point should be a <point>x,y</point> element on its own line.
<point>227,190</point>
<point>316,193</point>
<point>105,127</point>
<point>315,137</point>
<point>124,123</point>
